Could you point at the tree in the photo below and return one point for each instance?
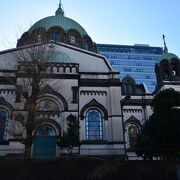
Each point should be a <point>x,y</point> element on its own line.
<point>70,139</point>
<point>159,136</point>
<point>33,66</point>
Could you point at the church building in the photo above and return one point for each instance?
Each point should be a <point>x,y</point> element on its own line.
<point>73,81</point>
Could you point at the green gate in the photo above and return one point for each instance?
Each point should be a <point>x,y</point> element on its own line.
<point>44,146</point>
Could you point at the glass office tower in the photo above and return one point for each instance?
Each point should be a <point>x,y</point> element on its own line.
<point>137,61</point>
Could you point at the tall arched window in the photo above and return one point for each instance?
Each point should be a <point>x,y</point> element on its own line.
<point>174,66</point>
<point>132,135</point>
<point>3,121</point>
<point>56,36</point>
<point>86,45</point>
<point>39,39</point>
<point>94,125</point>
<point>166,70</point>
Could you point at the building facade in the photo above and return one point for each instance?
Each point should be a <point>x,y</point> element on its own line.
<point>73,81</point>
<point>136,61</point>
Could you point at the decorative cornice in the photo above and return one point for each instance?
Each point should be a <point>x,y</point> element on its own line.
<point>7,80</point>
<point>132,110</point>
<point>138,102</point>
<point>100,82</point>
<point>89,92</point>
<point>7,90</point>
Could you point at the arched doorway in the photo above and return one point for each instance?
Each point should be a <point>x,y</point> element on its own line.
<point>44,146</point>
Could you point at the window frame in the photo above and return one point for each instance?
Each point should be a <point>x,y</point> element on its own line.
<point>99,136</point>
<point>3,134</point>
<point>131,143</point>
<point>72,39</point>
<point>56,36</point>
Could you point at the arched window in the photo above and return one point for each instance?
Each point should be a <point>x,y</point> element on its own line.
<point>56,36</point>
<point>47,105</point>
<point>174,68</point>
<point>127,87</point>
<point>166,70</point>
<point>39,38</point>
<point>132,135</point>
<point>94,125</point>
<point>45,131</point>
<point>86,45</point>
<point>73,40</point>
<point>3,121</point>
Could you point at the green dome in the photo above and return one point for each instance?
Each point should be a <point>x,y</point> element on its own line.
<point>168,56</point>
<point>61,57</point>
<point>57,57</point>
<point>58,20</point>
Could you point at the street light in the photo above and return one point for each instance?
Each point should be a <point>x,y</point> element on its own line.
<point>122,103</point>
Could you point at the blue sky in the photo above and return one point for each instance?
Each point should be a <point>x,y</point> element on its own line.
<point>126,22</point>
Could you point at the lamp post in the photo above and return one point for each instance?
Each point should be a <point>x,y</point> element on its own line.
<point>122,103</point>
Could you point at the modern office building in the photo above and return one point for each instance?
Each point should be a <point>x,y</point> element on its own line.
<point>136,61</point>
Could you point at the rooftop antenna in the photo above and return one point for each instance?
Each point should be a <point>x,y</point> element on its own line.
<point>165,47</point>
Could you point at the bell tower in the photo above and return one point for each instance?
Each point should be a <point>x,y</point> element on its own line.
<point>167,69</point>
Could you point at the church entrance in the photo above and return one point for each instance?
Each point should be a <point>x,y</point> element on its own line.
<point>44,146</point>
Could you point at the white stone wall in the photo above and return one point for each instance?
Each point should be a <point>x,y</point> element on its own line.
<point>102,149</point>
<point>175,87</point>
<point>85,99</point>
<point>113,126</point>
<point>88,61</point>
<point>91,66</point>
